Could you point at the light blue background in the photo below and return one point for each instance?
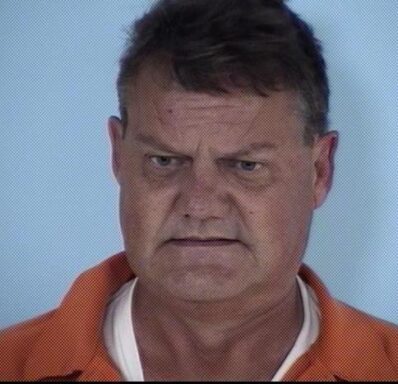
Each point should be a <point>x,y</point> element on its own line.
<point>58,198</point>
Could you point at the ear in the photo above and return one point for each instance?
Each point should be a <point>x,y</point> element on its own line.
<point>324,150</point>
<point>115,130</point>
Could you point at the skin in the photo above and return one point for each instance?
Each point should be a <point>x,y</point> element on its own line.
<point>216,312</point>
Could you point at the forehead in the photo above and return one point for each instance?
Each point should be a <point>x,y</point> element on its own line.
<point>156,104</point>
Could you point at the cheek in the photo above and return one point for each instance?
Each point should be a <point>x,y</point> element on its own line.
<point>146,203</point>
<point>141,224</point>
<point>283,213</point>
<point>141,213</point>
<point>142,217</point>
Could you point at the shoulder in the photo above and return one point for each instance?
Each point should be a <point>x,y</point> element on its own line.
<point>16,343</point>
<point>385,331</point>
<point>352,344</point>
<point>358,346</point>
<point>341,317</point>
<point>65,339</point>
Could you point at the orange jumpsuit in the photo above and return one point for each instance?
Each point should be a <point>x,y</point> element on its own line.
<point>67,343</point>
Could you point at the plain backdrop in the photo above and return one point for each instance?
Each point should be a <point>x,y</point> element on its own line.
<point>58,197</point>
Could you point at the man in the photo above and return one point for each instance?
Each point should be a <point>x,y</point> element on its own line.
<point>222,154</point>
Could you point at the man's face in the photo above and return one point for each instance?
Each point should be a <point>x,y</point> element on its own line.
<point>228,167</point>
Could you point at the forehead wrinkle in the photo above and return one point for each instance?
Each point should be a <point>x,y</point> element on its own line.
<point>196,99</point>
<point>252,123</point>
<point>287,118</point>
<point>155,143</point>
<point>193,110</point>
<point>165,118</point>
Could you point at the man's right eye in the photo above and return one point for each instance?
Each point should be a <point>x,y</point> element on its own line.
<point>165,161</point>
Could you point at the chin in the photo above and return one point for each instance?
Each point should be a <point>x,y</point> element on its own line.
<point>201,285</point>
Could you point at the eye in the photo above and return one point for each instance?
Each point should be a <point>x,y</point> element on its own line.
<point>165,161</point>
<point>247,166</point>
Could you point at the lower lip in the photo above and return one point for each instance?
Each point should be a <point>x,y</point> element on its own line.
<point>201,243</point>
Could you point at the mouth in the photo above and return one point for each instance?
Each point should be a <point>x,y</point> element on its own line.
<point>195,242</point>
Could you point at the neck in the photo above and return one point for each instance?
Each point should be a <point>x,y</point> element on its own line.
<point>218,329</point>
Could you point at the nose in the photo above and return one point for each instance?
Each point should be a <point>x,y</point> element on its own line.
<point>203,196</point>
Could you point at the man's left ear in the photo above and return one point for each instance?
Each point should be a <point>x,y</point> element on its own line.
<point>324,150</point>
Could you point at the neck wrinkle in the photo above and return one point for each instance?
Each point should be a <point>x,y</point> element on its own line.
<point>277,326</point>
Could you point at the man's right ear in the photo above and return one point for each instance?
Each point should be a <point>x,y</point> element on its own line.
<point>115,130</point>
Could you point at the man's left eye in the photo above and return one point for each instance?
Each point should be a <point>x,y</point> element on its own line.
<point>247,166</point>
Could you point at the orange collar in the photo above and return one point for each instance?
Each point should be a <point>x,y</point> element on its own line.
<point>348,348</point>
<point>73,335</point>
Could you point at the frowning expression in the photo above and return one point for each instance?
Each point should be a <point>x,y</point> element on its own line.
<point>216,191</point>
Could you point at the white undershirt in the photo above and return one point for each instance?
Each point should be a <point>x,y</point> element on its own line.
<point>121,343</point>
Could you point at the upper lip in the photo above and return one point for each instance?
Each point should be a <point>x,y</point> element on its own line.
<point>203,239</point>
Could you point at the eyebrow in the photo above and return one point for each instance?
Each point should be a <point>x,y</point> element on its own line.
<point>159,145</point>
